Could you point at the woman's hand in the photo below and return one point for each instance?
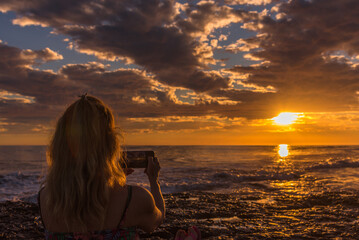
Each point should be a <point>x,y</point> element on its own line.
<point>153,169</point>
<point>158,209</point>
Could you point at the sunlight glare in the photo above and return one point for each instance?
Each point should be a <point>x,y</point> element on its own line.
<point>285,118</point>
<point>283,150</point>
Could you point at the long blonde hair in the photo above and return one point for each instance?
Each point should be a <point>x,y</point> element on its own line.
<point>83,163</point>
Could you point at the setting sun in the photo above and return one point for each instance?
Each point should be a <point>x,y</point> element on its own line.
<point>283,150</point>
<point>285,118</point>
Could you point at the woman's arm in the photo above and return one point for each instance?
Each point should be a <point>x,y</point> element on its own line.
<point>157,195</point>
<point>153,204</point>
<point>149,215</point>
<point>153,172</point>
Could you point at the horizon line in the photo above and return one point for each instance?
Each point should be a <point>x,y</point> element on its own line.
<point>159,145</point>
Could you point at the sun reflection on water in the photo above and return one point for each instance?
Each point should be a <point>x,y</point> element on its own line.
<point>283,150</point>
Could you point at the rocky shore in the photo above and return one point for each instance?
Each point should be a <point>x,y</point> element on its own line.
<point>21,220</point>
<point>223,216</point>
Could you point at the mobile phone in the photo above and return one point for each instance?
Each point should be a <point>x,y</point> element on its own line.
<point>137,159</point>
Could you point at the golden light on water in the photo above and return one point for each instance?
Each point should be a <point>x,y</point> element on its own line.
<point>285,118</point>
<point>283,150</point>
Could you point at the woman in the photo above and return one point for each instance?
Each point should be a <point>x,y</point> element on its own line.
<point>85,195</point>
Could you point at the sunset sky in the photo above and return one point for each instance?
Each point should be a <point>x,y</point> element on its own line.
<point>184,72</point>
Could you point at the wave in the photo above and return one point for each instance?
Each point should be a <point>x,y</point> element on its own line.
<point>271,174</point>
<point>261,175</point>
<point>18,186</point>
<point>23,185</point>
<point>184,187</point>
<point>19,177</point>
<point>335,163</point>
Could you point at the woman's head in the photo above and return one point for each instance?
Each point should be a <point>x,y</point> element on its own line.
<point>83,159</point>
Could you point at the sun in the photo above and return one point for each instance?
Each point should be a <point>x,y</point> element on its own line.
<point>283,150</point>
<point>285,118</point>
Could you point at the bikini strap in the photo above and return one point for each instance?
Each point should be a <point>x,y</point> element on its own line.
<point>129,196</point>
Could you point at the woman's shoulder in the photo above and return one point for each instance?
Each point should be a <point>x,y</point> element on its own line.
<point>141,200</point>
<point>142,194</point>
<point>135,193</point>
<point>140,191</point>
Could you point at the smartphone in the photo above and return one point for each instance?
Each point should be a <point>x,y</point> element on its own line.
<point>137,159</point>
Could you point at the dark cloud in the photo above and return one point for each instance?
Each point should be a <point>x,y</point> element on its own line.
<point>298,48</point>
<point>18,76</point>
<point>209,16</point>
<point>96,76</point>
<point>166,125</point>
<point>130,92</point>
<point>149,32</point>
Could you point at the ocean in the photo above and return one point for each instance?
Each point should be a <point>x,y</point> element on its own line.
<point>282,169</point>
<point>291,186</point>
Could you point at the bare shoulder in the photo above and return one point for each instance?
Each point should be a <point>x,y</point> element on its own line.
<point>140,191</point>
<point>142,199</point>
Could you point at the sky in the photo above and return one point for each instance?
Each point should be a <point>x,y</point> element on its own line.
<point>184,72</point>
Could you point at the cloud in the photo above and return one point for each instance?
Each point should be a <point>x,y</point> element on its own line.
<point>150,33</point>
<point>208,16</point>
<point>249,2</point>
<point>5,95</point>
<point>308,53</point>
<point>243,45</point>
<point>179,124</point>
<point>20,79</point>
<point>44,55</point>
<point>25,21</point>
<point>32,98</point>
<point>293,48</point>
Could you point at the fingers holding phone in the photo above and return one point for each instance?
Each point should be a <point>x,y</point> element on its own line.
<point>137,159</point>
<point>143,159</point>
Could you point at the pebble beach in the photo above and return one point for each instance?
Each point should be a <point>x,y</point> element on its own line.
<point>223,216</point>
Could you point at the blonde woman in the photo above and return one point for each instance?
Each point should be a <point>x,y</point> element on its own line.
<point>85,195</point>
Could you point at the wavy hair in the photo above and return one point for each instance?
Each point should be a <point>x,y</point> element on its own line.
<point>84,162</point>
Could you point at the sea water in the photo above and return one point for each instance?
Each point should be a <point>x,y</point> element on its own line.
<point>257,170</point>
<point>275,192</point>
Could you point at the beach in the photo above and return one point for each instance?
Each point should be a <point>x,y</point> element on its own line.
<point>228,192</point>
<point>224,216</point>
